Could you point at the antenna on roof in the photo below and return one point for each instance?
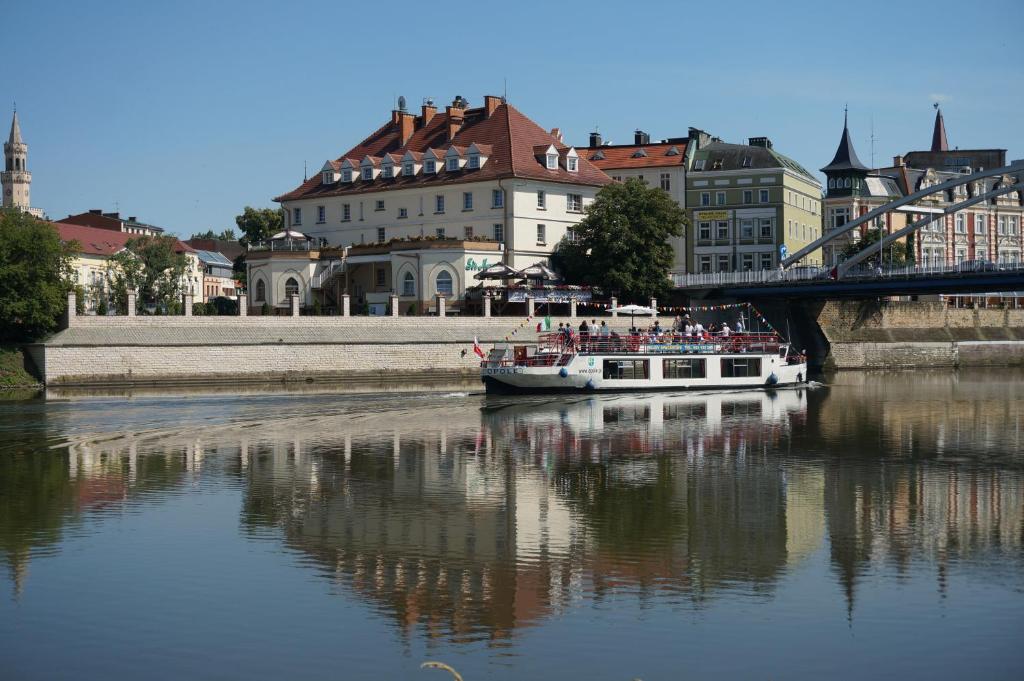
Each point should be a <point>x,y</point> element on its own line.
<point>304,174</point>
<point>504,90</point>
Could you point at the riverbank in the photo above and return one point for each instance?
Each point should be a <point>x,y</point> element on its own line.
<point>14,370</point>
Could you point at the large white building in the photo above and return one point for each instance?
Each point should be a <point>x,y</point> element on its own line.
<point>424,202</point>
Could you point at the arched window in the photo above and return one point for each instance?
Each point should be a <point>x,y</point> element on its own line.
<point>409,284</point>
<point>261,291</point>
<point>444,282</point>
<point>847,183</point>
<point>291,287</point>
<point>831,183</point>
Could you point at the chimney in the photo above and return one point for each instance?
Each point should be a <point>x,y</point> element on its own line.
<point>428,111</point>
<point>96,211</point>
<point>491,103</point>
<point>641,137</point>
<point>760,142</point>
<point>131,219</point>
<point>406,124</point>
<point>897,161</point>
<point>455,117</point>
<point>557,134</point>
<point>595,139</point>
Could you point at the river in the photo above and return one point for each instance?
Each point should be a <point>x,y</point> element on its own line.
<point>872,527</point>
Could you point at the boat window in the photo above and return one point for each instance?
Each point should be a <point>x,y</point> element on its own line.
<point>736,367</point>
<point>683,368</point>
<point>626,368</point>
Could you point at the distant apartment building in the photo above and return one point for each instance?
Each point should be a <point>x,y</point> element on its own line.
<point>422,203</point>
<point>660,164</point>
<point>748,205</point>
<point>114,222</point>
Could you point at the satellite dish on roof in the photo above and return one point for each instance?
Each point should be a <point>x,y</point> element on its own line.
<point>401,102</point>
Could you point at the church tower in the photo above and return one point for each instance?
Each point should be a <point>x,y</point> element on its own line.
<point>845,173</point>
<point>16,176</point>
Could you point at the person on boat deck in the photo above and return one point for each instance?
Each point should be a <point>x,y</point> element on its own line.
<point>605,329</point>
<point>739,324</point>
<point>725,329</point>
<point>657,328</point>
<point>698,330</point>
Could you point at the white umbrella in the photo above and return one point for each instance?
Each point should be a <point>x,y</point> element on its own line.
<point>632,310</point>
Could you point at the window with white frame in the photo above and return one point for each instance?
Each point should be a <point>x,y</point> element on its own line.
<point>346,212</point>
<point>666,181</point>
<point>321,215</point>
<point>747,262</point>
<point>574,202</point>
<point>979,223</point>
<point>328,177</point>
<point>439,233</point>
<point>453,164</point>
<point>542,199</point>
<point>705,198</point>
<point>698,164</point>
<point>723,263</point>
<point>497,198</point>
<point>439,203</point>
<point>467,200</point>
<point>381,237</point>
<point>720,198</point>
<point>474,161</point>
<point>291,287</point>
<point>499,232</point>
<point>722,229</point>
<point>443,283</point>
<point>746,228</point>
<point>296,216</point>
<point>960,224</point>
<point>570,235</point>
<point>705,263</point>
<point>766,227</point>
<point>552,161</point>
<point>429,167</point>
<point>1002,225</point>
<point>764,196</point>
<point>388,171</point>
<point>408,168</point>
<point>379,204</point>
<point>467,231</point>
<point>403,212</point>
<point>748,196</point>
<point>766,261</point>
<point>408,284</point>
<point>572,164</point>
<point>840,216</point>
<point>1011,224</point>
<point>704,231</point>
<point>346,175</point>
<point>367,173</point>
<point>542,235</point>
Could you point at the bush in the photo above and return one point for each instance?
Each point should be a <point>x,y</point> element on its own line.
<point>265,309</point>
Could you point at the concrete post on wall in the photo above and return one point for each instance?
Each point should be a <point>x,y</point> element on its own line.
<point>393,304</point>
<point>294,300</point>
<point>243,305</point>
<point>132,294</point>
<point>186,304</point>
<point>72,307</point>
<point>346,305</point>
<point>440,305</point>
<point>615,304</point>
<point>572,308</point>
<point>487,305</point>
<point>529,306</point>
<point>654,307</point>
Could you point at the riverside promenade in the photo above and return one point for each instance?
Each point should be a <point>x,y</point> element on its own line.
<point>208,350</point>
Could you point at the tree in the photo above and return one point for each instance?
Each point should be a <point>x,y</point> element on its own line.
<point>35,276</point>
<point>894,254</point>
<point>226,235</point>
<point>259,224</point>
<point>150,265</point>
<point>622,245</point>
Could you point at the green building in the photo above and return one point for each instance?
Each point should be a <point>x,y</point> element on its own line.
<point>748,205</point>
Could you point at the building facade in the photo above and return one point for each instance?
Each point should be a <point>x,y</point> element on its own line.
<point>662,164</point>
<point>114,222</point>
<point>749,206</point>
<point>16,177</point>
<point>484,179</point>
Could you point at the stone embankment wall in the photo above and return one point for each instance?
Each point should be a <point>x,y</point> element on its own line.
<point>871,334</point>
<point>202,350</point>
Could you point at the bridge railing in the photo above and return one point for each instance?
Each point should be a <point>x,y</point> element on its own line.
<point>864,273</point>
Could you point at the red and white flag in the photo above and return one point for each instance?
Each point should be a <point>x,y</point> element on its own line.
<point>477,349</point>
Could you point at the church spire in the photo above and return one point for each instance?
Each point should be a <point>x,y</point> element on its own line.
<point>15,137</point>
<point>939,133</point>
<point>846,157</point>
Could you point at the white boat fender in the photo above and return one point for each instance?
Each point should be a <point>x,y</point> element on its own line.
<point>772,379</point>
<point>590,384</point>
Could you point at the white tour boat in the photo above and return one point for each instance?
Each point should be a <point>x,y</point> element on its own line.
<point>569,363</point>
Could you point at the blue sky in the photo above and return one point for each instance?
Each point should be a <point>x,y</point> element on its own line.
<point>182,113</point>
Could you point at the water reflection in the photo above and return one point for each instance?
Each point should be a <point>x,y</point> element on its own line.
<point>463,517</point>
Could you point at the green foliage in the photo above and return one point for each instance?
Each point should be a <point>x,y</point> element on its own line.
<point>317,308</point>
<point>259,224</point>
<point>199,309</point>
<point>35,276</point>
<point>894,254</point>
<point>265,309</point>
<point>150,265</point>
<point>222,306</point>
<point>623,244</point>
<point>13,373</point>
<point>412,310</point>
<point>79,299</point>
<point>226,235</point>
<point>102,308</point>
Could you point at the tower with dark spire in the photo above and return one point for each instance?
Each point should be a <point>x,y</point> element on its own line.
<point>845,173</point>
<point>16,177</point>
<point>939,142</point>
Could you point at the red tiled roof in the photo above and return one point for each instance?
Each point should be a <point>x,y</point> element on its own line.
<point>105,242</point>
<point>510,135</point>
<point>622,156</point>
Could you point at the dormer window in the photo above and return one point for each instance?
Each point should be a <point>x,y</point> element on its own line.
<point>388,171</point>
<point>474,161</point>
<point>367,174</point>
<point>552,161</point>
<point>408,170</point>
<point>746,162</point>
<point>346,176</point>
<point>452,164</point>
<point>572,164</point>
<point>429,167</point>
<point>698,164</point>
<point>328,177</point>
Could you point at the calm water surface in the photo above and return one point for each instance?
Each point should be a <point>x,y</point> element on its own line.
<point>873,528</point>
